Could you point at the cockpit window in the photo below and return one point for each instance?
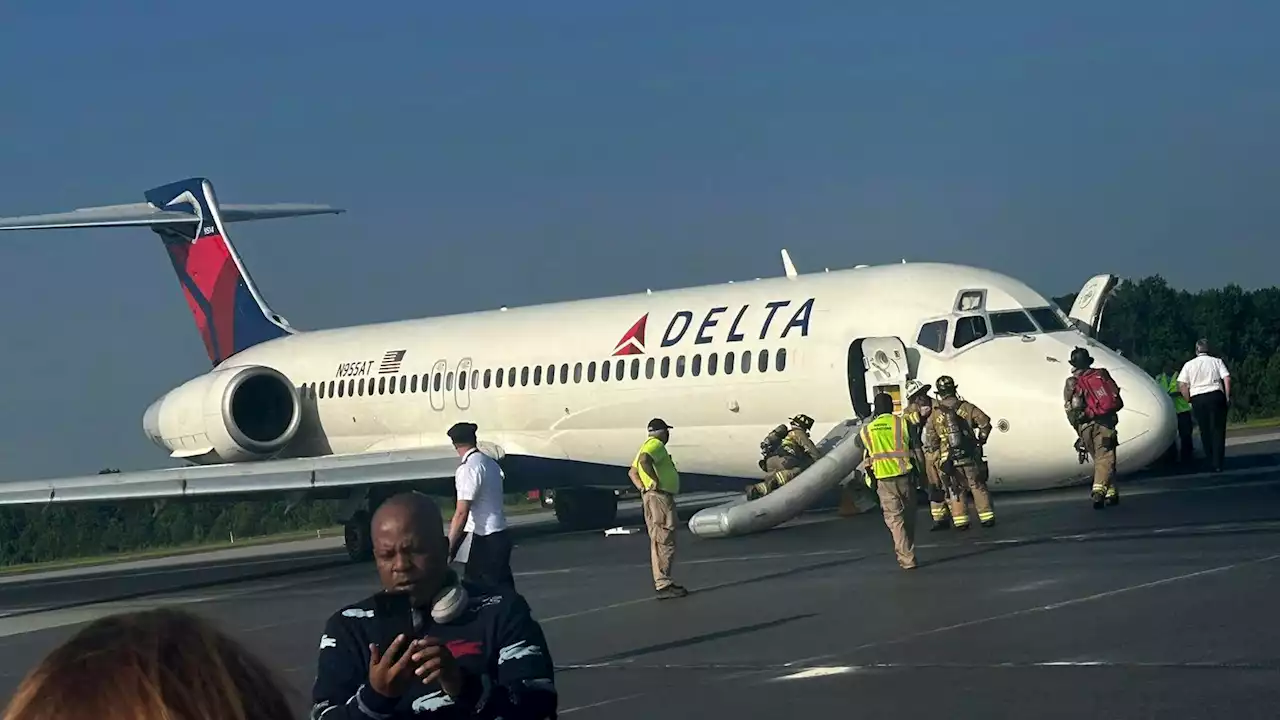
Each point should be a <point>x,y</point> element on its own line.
<point>933,335</point>
<point>1048,319</point>
<point>969,329</point>
<point>1012,322</point>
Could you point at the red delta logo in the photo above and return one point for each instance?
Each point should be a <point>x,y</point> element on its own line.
<point>632,343</point>
<point>747,322</point>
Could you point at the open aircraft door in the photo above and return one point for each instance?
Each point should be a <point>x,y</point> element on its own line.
<point>877,364</point>
<point>1086,312</point>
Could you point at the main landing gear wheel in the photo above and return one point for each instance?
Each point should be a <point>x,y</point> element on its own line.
<point>356,537</point>
<point>586,508</point>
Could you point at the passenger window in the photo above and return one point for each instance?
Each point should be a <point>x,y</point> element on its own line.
<point>605,373</point>
<point>635,368</point>
<point>780,360</point>
<point>620,369</point>
<point>342,389</point>
<point>361,386</point>
<point>591,371</point>
<point>351,388</point>
<point>391,386</point>
<point>746,361</point>
<point>498,377</point>
<point>524,376</point>
<point>1048,319</point>
<point>551,375</point>
<point>577,372</point>
<point>462,380</point>
<point>933,336</point>
<point>969,329</point>
<point>649,366</point>
<point>330,388</point>
<point>322,390</point>
<point>564,373</point>
<point>436,381</point>
<point>537,375</point>
<point>680,366</point>
<point>763,363</point>
<point>666,367</point>
<point>404,382</point>
<point>1011,322</point>
<point>713,362</point>
<point>488,376</point>
<point>695,368</point>
<point>729,363</point>
<point>475,379</point>
<point>511,377</point>
<point>448,381</point>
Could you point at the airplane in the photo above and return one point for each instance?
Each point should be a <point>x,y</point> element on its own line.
<point>562,391</point>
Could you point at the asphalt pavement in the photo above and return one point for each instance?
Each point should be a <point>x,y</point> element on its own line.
<point>1157,607</point>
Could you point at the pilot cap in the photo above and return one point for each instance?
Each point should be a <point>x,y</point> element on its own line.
<point>463,433</point>
<point>658,424</point>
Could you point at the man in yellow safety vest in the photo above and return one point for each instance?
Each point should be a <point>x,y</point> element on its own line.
<point>653,472</point>
<point>888,445</point>
<point>1183,453</point>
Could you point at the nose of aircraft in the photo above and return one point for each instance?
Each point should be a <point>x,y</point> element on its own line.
<point>1148,422</point>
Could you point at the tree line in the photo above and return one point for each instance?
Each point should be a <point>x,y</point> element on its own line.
<point>1156,327</point>
<point>1149,322</point>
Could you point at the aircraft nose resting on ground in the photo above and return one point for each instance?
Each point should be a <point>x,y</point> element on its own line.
<point>1148,423</point>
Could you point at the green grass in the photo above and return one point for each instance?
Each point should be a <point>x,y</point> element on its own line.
<point>1255,423</point>
<point>521,507</point>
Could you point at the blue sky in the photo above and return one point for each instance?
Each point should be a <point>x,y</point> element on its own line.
<point>577,149</point>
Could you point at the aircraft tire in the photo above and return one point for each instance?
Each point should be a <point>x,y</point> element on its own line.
<point>585,508</point>
<point>357,537</point>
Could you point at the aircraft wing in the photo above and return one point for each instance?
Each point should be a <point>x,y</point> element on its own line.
<point>289,475</point>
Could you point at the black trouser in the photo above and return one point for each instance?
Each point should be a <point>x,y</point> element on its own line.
<point>1187,452</point>
<point>1211,415</point>
<point>489,562</point>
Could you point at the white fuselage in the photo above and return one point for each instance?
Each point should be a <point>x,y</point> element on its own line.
<point>788,340</point>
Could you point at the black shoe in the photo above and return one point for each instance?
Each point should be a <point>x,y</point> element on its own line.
<point>672,591</point>
<point>988,523</point>
<point>1113,499</point>
<point>962,527</point>
<point>1098,500</point>
<point>939,525</point>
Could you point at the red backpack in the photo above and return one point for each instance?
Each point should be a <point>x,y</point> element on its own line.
<point>1101,394</point>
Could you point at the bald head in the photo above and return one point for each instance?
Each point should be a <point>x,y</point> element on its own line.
<point>410,510</point>
<point>409,545</point>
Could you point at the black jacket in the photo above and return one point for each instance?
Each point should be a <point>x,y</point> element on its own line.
<point>500,648</point>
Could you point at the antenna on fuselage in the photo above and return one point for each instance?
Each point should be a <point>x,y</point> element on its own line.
<point>787,266</point>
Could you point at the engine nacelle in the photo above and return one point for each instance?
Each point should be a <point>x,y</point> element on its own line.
<point>229,415</point>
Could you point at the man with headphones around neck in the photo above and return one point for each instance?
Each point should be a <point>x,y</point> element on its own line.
<point>430,644</point>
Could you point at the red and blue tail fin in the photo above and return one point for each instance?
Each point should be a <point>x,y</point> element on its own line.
<point>229,311</point>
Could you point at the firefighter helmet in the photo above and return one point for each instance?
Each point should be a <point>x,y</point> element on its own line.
<point>804,422</point>
<point>946,385</point>
<point>915,389</point>
<point>1080,358</point>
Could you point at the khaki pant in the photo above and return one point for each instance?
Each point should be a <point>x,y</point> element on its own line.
<point>970,477</point>
<point>898,502</point>
<point>660,519</point>
<point>937,510</point>
<point>1101,443</point>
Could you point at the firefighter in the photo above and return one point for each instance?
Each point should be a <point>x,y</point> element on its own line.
<point>787,451</point>
<point>959,440</point>
<point>887,447</point>
<point>1092,401</point>
<point>916,413</point>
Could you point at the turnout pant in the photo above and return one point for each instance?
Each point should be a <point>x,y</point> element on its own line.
<point>898,502</point>
<point>660,519</point>
<point>969,477</point>
<point>1100,441</point>
<point>1211,415</point>
<point>490,560</point>
<point>937,493</point>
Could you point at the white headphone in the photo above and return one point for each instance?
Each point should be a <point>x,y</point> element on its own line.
<point>450,602</point>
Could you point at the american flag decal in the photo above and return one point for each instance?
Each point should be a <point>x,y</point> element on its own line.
<point>391,362</point>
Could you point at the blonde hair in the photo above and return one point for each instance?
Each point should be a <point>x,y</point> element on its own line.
<point>161,664</point>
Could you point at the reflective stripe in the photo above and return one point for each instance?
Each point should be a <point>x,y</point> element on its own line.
<point>888,455</point>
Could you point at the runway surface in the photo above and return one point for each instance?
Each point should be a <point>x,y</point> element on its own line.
<point>1157,607</point>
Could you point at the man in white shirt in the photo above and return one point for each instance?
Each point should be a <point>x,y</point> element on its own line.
<point>478,481</point>
<point>1205,382</point>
